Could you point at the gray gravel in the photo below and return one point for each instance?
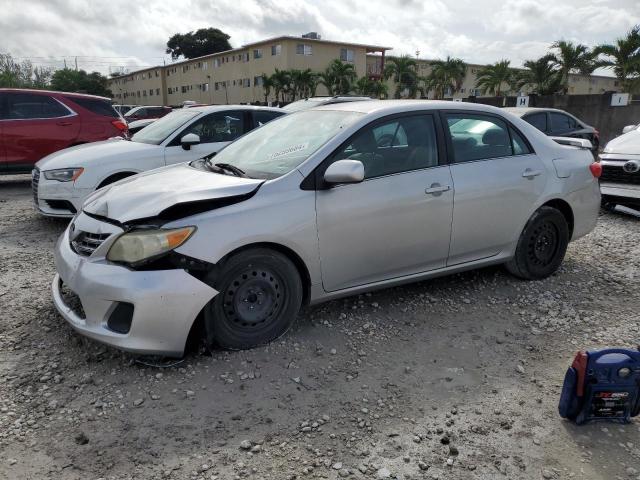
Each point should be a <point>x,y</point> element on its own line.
<point>454,378</point>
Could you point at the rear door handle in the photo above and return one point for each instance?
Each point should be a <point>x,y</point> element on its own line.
<point>64,124</point>
<point>528,173</point>
<point>436,189</point>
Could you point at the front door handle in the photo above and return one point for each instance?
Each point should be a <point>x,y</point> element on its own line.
<point>528,173</point>
<point>436,189</point>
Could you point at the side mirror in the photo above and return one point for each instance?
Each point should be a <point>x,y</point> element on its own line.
<point>628,129</point>
<point>345,171</point>
<point>188,140</point>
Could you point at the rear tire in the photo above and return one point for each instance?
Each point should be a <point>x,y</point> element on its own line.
<point>542,245</point>
<point>260,294</point>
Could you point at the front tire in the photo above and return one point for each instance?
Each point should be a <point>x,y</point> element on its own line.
<point>260,294</point>
<point>542,245</point>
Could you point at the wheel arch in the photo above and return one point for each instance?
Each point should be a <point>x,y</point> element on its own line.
<point>114,177</point>
<point>288,252</point>
<point>563,207</point>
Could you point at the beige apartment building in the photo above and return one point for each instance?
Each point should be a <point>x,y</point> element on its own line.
<point>235,76</point>
<point>578,84</point>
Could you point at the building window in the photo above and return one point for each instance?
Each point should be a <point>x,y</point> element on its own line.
<point>346,55</point>
<point>276,49</point>
<point>257,53</point>
<point>151,92</point>
<point>304,49</point>
<point>246,82</point>
<point>184,89</point>
<point>157,91</point>
<point>216,62</point>
<point>205,65</point>
<point>258,81</point>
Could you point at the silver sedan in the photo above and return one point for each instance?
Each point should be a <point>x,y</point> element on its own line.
<point>316,205</point>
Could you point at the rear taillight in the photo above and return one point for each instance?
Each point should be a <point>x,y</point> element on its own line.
<point>120,125</point>
<point>596,169</point>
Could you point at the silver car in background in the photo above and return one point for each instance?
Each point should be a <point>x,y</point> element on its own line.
<point>316,205</point>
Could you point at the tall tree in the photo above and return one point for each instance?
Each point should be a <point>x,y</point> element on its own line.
<point>404,74</point>
<point>572,58</point>
<point>196,44</point>
<point>492,78</point>
<point>281,84</point>
<point>79,81</point>
<point>541,75</point>
<point>267,85</point>
<point>328,79</point>
<point>446,74</point>
<point>623,57</point>
<point>369,87</point>
<point>342,74</point>
<point>22,74</point>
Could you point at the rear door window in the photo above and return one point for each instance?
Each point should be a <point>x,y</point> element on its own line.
<point>99,107</point>
<point>262,117</point>
<point>561,123</point>
<point>24,106</point>
<point>538,120</point>
<point>478,137</point>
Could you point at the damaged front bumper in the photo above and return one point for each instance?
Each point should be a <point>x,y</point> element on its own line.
<point>146,312</point>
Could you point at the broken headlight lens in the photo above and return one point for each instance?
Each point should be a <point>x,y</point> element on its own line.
<point>137,246</point>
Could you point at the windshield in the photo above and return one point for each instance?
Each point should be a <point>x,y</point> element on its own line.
<point>158,131</point>
<point>132,111</point>
<point>304,104</point>
<point>281,145</point>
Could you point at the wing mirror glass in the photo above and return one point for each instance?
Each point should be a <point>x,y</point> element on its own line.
<point>628,128</point>
<point>188,140</point>
<point>344,171</point>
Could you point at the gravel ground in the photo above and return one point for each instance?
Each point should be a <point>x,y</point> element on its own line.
<point>454,378</point>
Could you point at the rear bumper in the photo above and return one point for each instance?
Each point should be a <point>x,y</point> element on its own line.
<point>585,204</point>
<point>165,303</point>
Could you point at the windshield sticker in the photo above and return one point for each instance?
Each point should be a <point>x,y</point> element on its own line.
<point>287,151</point>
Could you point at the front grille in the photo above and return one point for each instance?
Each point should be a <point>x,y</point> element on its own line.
<point>35,179</point>
<point>614,174</point>
<point>61,205</point>
<point>86,243</point>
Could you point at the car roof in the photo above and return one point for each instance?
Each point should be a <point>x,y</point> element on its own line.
<point>399,106</point>
<point>520,111</point>
<point>218,108</point>
<point>54,92</point>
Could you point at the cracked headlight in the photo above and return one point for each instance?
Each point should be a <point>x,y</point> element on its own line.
<point>63,174</point>
<point>137,246</point>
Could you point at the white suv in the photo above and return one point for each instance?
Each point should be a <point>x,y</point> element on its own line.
<point>62,180</point>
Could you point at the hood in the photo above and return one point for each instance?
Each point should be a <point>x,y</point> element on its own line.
<point>176,189</point>
<point>628,144</point>
<point>88,153</point>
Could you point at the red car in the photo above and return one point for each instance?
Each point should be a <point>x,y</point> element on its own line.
<point>35,123</point>
<point>143,113</point>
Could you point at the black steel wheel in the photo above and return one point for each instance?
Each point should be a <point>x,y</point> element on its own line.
<point>260,294</point>
<point>542,245</point>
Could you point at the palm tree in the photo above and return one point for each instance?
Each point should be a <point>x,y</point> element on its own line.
<point>446,74</point>
<point>372,88</point>
<point>328,79</point>
<point>343,75</point>
<point>572,58</point>
<point>378,89</point>
<point>307,82</point>
<point>491,78</point>
<point>281,83</point>
<point>541,75</point>
<point>403,71</point>
<point>267,85</point>
<point>624,58</point>
<point>362,86</point>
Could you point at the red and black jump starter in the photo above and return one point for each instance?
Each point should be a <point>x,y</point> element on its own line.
<point>602,385</point>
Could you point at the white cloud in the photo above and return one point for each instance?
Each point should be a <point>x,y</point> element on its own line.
<point>129,33</point>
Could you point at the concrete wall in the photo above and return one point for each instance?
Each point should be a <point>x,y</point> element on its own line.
<point>595,110</point>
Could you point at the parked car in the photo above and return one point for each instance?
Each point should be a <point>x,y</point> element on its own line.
<point>142,113</point>
<point>137,125</point>
<point>62,181</point>
<point>620,180</point>
<point>35,123</point>
<point>312,207</point>
<point>122,109</point>
<point>630,128</point>
<point>311,102</point>
<point>558,123</point>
